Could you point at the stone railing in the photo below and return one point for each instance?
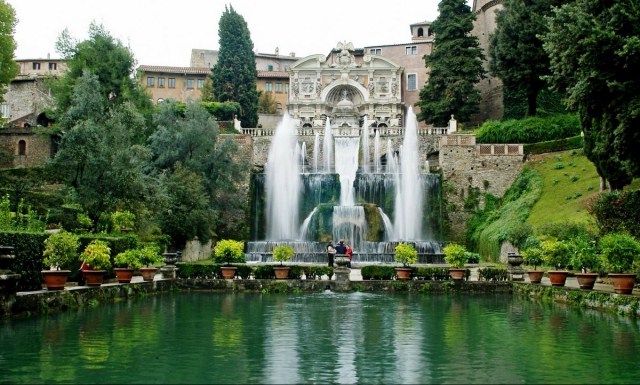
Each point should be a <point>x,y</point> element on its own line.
<point>482,149</point>
<point>347,131</point>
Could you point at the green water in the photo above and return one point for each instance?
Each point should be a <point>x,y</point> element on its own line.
<point>321,338</point>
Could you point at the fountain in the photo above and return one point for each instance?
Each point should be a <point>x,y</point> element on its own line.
<point>371,205</point>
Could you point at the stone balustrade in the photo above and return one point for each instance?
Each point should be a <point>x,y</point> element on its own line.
<point>347,131</point>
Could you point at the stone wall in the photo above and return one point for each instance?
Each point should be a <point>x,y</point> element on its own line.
<point>467,167</point>
<point>37,148</point>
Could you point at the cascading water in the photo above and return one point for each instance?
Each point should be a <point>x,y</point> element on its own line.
<point>283,183</point>
<point>316,152</point>
<point>346,167</point>
<point>376,151</point>
<point>366,164</point>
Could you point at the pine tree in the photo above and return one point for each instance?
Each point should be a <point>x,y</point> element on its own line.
<point>234,75</point>
<point>454,67</point>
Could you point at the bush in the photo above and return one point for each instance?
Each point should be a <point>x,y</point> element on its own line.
<point>455,255</point>
<point>129,259</point>
<point>584,253</point>
<point>283,253</point>
<point>97,255</point>
<point>405,254</point>
<point>149,255</point>
<point>60,249</point>
<point>492,274</point>
<point>28,250</point>
<point>555,253</point>
<point>617,211</point>
<point>619,253</point>
<point>264,272</point>
<point>532,256</point>
<point>198,271</point>
<point>295,272</point>
<point>228,251</point>
<point>378,272</point>
<point>432,273</point>
<point>530,130</point>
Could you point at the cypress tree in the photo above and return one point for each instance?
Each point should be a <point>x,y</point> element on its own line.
<point>234,75</point>
<point>455,66</point>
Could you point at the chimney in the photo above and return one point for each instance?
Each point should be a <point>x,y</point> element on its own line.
<point>292,54</point>
<point>277,51</point>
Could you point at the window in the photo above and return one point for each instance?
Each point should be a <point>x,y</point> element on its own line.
<point>200,83</point>
<point>375,51</point>
<point>53,66</point>
<point>161,82</point>
<point>36,66</point>
<point>279,88</point>
<point>270,67</point>
<point>411,50</point>
<point>5,110</point>
<point>22,148</point>
<point>412,82</point>
<point>268,86</point>
<point>151,81</point>
<point>420,32</point>
<point>172,82</point>
<point>190,83</point>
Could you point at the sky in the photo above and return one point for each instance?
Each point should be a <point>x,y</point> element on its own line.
<point>163,32</point>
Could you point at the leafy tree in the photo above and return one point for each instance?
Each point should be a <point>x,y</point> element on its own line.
<point>8,67</point>
<point>234,75</point>
<point>516,52</point>
<point>594,51</point>
<point>107,58</point>
<point>454,65</point>
<point>266,103</point>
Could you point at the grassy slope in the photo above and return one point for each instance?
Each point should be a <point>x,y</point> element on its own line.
<point>569,181</point>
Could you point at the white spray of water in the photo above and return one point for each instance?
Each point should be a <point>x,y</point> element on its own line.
<point>303,156</point>
<point>376,151</point>
<point>327,146</point>
<point>316,152</point>
<point>408,206</point>
<point>283,183</point>
<point>347,167</point>
<point>366,163</point>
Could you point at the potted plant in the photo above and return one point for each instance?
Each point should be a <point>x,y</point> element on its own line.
<point>127,261</point>
<point>149,256</point>
<point>556,253</point>
<point>405,254</point>
<point>97,259</point>
<point>532,256</point>
<point>584,256</point>
<point>619,256</point>
<point>456,256</point>
<point>282,253</point>
<point>228,251</point>
<point>60,249</point>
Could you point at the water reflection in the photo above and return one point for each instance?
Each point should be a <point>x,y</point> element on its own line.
<point>322,338</point>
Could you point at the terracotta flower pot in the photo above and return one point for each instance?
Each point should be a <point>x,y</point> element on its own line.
<point>282,272</point>
<point>55,279</point>
<point>586,280</point>
<point>228,272</point>
<point>403,273</point>
<point>148,273</point>
<point>123,275</point>
<point>535,276</point>
<point>558,277</point>
<point>93,277</point>
<point>457,274</point>
<point>623,283</point>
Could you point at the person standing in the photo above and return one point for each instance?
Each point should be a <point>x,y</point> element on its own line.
<point>341,248</point>
<point>349,253</point>
<point>331,253</point>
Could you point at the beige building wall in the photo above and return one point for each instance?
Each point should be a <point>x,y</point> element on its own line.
<point>176,83</point>
<point>277,83</point>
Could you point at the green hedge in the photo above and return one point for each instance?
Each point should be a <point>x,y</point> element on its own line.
<point>432,273</point>
<point>576,142</point>
<point>492,274</point>
<point>617,211</point>
<point>28,248</point>
<point>378,272</point>
<point>196,270</point>
<point>529,130</point>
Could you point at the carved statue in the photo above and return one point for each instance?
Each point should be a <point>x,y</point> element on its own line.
<point>372,86</point>
<point>295,87</point>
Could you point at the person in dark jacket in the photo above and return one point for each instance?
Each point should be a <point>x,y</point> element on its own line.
<point>331,253</point>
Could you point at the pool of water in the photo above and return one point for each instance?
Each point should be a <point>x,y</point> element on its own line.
<point>321,338</point>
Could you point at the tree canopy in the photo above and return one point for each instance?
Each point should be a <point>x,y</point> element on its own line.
<point>8,67</point>
<point>516,52</point>
<point>234,75</point>
<point>454,65</point>
<point>594,51</point>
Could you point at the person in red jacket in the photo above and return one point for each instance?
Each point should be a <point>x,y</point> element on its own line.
<point>349,255</point>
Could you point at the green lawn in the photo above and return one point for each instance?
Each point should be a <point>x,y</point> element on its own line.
<point>570,181</point>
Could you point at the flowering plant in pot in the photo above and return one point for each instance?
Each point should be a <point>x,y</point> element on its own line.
<point>405,254</point>
<point>126,262</point>
<point>228,251</point>
<point>584,256</point>
<point>620,255</point>
<point>282,253</point>
<point>456,256</point>
<point>60,249</point>
<point>97,256</point>
<point>149,256</point>
<point>556,253</point>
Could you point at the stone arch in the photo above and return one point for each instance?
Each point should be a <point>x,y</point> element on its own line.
<point>352,86</point>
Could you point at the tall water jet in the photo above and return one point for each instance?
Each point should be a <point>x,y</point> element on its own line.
<point>303,155</point>
<point>376,151</point>
<point>409,194</point>
<point>347,167</point>
<point>366,164</point>
<point>283,183</point>
<point>316,152</point>
<point>327,146</point>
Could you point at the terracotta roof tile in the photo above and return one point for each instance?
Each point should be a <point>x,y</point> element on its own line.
<point>273,74</point>
<point>175,70</point>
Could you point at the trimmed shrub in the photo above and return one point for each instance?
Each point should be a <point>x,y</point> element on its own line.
<point>530,130</point>
<point>28,249</point>
<point>617,211</point>
<point>378,272</point>
<point>492,274</point>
